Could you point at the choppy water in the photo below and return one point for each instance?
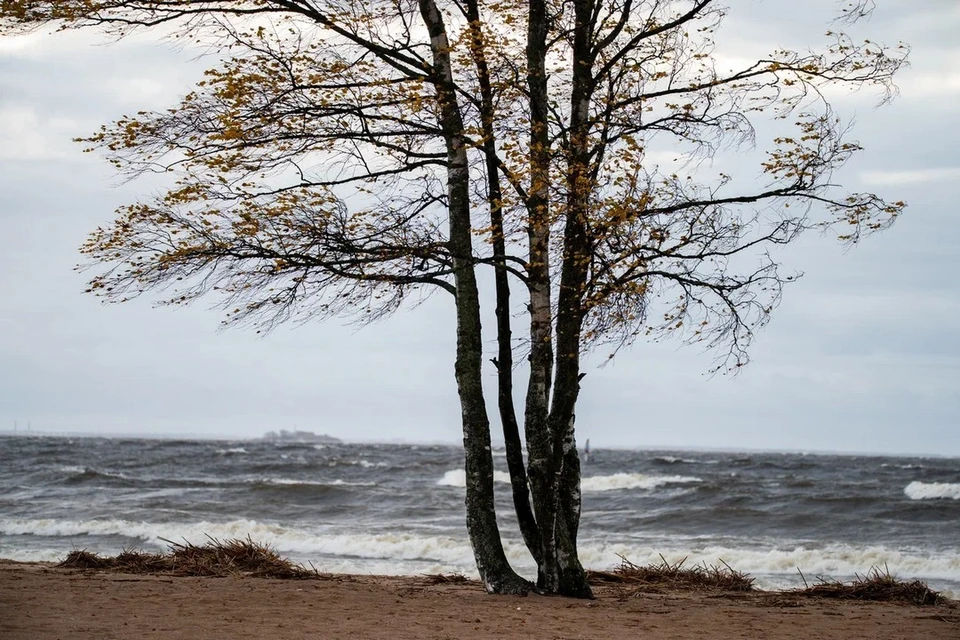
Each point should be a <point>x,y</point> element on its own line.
<point>398,509</point>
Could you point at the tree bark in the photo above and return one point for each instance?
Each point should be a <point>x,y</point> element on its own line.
<point>504,361</point>
<point>495,570</point>
<point>573,278</point>
<point>536,427</point>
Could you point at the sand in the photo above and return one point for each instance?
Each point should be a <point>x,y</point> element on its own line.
<point>39,602</point>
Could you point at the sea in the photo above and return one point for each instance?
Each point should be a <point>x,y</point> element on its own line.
<point>398,508</point>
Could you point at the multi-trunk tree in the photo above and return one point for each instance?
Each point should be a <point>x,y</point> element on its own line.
<point>340,155</point>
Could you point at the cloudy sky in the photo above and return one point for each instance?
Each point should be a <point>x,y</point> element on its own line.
<point>863,354</point>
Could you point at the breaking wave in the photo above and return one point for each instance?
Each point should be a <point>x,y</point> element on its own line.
<point>777,568</point>
<point>618,481</point>
<point>409,553</point>
<point>231,451</point>
<point>932,490</point>
<point>366,464</point>
<point>458,478</point>
<point>81,475</point>
<point>292,482</point>
<point>673,460</point>
<point>73,469</point>
<point>301,543</point>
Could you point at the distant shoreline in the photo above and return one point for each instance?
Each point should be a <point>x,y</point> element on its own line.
<point>34,433</point>
<point>497,446</point>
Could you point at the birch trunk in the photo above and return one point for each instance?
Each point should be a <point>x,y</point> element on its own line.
<point>504,361</point>
<point>539,438</point>
<point>492,564</point>
<point>572,579</point>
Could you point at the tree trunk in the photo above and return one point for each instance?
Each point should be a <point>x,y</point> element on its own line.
<point>536,427</point>
<point>504,360</point>
<point>495,570</point>
<point>570,312</point>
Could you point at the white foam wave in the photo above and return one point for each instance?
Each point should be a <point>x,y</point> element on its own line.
<point>32,555</point>
<point>314,483</point>
<point>151,532</point>
<point>932,490</point>
<point>407,553</point>
<point>366,464</point>
<point>458,478</point>
<point>674,460</point>
<point>618,481</point>
<point>449,551</point>
<point>231,451</point>
<point>777,568</point>
<point>72,469</point>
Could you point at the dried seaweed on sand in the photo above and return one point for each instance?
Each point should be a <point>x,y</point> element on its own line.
<point>675,576</point>
<point>876,585</point>
<point>215,558</point>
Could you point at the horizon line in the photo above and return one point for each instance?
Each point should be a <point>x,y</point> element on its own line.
<point>453,443</point>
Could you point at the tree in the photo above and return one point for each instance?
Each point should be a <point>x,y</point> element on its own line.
<point>340,156</point>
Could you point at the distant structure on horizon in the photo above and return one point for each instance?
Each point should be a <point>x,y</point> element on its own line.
<point>16,427</point>
<point>306,437</point>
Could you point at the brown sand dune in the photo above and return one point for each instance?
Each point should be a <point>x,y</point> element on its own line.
<point>39,602</point>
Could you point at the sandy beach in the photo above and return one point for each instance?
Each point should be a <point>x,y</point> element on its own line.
<point>39,602</point>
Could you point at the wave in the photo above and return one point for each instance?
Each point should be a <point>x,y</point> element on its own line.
<point>393,546</point>
<point>776,568</point>
<point>85,474</point>
<point>458,478</point>
<point>616,481</point>
<point>917,490</point>
<point>407,553</point>
<point>670,460</point>
<point>619,481</point>
<point>347,552</point>
<point>292,482</point>
<point>73,469</point>
<point>78,475</point>
<point>33,555</point>
<point>231,451</point>
<point>674,460</point>
<point>149,532</point>
<point>366,464</point>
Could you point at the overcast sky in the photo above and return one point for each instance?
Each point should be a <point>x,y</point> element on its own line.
<point>863,354</point>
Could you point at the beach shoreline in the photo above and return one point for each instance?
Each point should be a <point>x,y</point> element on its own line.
<point>40,601</point>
